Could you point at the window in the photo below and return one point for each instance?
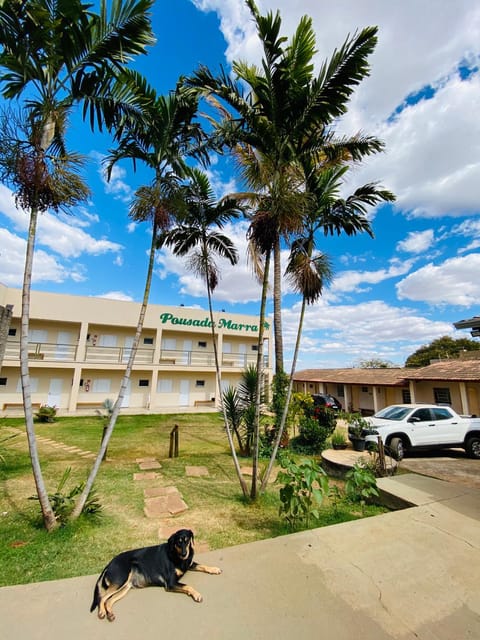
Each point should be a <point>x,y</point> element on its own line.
<point>101,385</point>
<point>254,347</point>
<point>33,385</point>
<point>164,385</point>
<point>364,389</point>
<point>441,414</point>
<point>340,392</point>
<point>202,344</point>
<point>200,383</point>
<point>406,396</point>
<point>143,383</point>
<point>3,382</point>
<point>422,414</point>
<point>442,395</point>
<point>12,332</point>
<point>148,341</point>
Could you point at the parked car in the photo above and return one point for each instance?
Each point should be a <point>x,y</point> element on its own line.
<point>326,400</point>
<point>404,427</point>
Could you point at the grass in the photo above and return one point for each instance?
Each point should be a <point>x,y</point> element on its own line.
<point>218,513</point>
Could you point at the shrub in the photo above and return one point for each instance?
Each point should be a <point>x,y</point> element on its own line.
<point>64,503</point>
<point>46,413</point>
<point>361,484</point>
<point>304,486</point>
<point>312,434</point>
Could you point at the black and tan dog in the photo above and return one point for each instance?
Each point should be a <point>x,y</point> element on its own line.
<point>161,566</point>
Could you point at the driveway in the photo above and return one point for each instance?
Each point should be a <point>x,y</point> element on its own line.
<point>446,464</point>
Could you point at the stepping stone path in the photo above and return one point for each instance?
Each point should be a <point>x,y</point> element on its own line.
<point>61,446</point>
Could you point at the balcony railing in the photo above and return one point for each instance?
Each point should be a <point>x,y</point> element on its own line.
<point>42,351</point>
<point>53,352</point>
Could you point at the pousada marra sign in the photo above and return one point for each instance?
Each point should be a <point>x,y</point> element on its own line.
<point>223,323</point>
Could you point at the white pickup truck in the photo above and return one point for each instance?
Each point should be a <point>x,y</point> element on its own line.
<point>423,426</point>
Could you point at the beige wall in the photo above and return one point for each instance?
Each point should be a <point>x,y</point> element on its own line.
<point>99,332</point>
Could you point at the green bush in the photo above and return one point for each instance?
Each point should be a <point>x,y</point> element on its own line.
<point>313,433</point>
<point>46,413</point>
<point>304,486</point>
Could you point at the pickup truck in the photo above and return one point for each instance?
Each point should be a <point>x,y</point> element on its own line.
<point>404,427</point>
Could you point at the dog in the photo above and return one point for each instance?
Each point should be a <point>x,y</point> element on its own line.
<point>161,565</point>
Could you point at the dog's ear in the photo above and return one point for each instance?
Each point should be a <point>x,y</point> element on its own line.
<point>171,542</point>
<point>192,537</point>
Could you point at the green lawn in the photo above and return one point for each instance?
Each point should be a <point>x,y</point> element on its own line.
<point>217,512</point>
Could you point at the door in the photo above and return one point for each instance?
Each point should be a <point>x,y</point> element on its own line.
<point>242,357</point>
<point>184,399</point>
<point>54,397</point>
<point>126,397</point>
<point>63,345</point>
<point>187,352</point>
<point>127,348</point>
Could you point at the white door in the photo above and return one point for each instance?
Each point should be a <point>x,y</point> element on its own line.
<point>54,392</point>
<point>127,348</point>
<point>63,345</point>
<point>184,399</point>
<point>242,359</point>
<point>126,397</point>
<point>187,352</point>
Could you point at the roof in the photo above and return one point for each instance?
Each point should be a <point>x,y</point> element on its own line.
<point>391,377</point>
<point>470,323</point>
<point>454,370</point>
<point>459,370</point>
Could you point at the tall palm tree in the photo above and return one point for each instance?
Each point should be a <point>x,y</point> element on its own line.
<point>308,270</point>
<point>160,139</point>
<point>288,113</point>
<point>199,235</point>
<point>55,54</point>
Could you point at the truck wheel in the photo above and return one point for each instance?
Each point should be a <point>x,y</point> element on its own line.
<point>397,450</point>
<point>472,447</point>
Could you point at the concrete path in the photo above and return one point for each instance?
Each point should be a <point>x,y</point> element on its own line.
<point>412,574</point>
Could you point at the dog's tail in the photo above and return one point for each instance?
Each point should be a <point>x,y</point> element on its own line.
<point>96,597</point>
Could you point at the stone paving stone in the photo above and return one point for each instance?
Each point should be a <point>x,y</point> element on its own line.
<point>153,492</point>
<point>156,507</point>
<point>149,464</point>
<point>196,472</point>
<point>139,460</point>
<point>146,475</point>
<point>170,504</point>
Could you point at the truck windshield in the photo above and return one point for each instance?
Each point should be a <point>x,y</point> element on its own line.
<point>393,413</point>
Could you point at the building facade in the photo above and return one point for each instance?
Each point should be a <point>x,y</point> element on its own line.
<point>455,382</point>
<point>79,347</point>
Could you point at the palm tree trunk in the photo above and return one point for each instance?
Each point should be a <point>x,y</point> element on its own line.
<point>256,432</point>
<point>123,387</point>
<point>218,370</point>
<point>47,511</point>
<point>277,306</point>
<point>283,421</point>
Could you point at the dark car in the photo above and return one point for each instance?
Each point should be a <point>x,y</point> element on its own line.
<point>326,400</point>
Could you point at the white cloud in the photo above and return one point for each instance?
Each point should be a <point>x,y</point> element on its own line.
<point>45,266</point>
<point>352,280</point>
<point>116,186</point>
<point>116,295</point>
<point>336,336</point>
<point>416,241</point>
<point>454,282</point>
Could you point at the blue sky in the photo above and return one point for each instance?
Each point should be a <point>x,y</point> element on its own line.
<point>391,294</point>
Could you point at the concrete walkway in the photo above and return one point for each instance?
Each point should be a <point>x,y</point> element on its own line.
<point>412,574</point>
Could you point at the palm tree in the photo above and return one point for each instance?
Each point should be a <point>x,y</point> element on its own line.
<point>198,235</point>
<point>160,139</point>
<point>288,114</point>
<point>54,55</point>
<point>308,270</point>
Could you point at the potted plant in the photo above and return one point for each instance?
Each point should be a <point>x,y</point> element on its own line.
<point>356,430</point>
<point>338,440</point>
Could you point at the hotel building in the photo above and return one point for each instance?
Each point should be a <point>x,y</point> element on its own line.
<point>79,347</point>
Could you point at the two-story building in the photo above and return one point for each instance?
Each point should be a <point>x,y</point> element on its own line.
<point>79,347</point>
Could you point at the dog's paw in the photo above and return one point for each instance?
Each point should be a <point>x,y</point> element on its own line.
<point>101,615</point>
<point>110,616</point>
<point>197,596</point>
<point>215,571</point>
